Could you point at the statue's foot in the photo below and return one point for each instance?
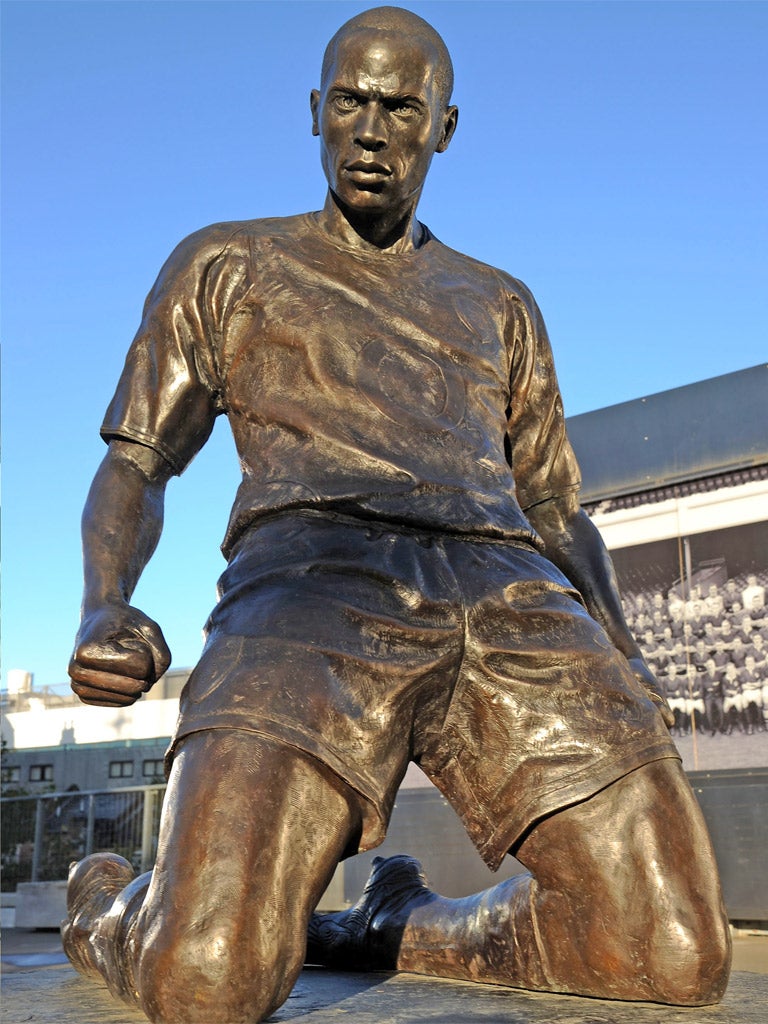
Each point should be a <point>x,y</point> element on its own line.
<point>92,888</point>
<point>367,936</point>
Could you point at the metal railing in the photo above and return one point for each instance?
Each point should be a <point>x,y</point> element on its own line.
<point>43,834</point>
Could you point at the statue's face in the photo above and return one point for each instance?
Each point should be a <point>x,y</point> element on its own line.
<point>380,119</point>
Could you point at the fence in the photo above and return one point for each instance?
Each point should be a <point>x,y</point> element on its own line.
<point>43,834</point>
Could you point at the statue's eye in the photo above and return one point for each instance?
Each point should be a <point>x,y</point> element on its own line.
<point>345,102</point>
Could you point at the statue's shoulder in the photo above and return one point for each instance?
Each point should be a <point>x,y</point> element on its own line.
<point>235,238</point>
<point>485,274</point>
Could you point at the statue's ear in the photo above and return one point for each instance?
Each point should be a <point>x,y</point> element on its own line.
<point>451,119</point>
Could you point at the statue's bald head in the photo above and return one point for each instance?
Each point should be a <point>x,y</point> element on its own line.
<point>394,21</point>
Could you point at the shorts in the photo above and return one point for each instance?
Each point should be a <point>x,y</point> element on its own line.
<point>367,647</point>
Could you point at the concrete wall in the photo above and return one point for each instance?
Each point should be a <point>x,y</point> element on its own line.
<point>41,904</point>
<point>45,726</point>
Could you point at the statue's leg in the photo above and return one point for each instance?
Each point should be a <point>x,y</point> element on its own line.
<point>103,902</point>
<point>622,901</point>
<point>252,831</point>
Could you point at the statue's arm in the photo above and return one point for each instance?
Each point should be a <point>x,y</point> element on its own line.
<point>575,546</point>
<point>120,652</point>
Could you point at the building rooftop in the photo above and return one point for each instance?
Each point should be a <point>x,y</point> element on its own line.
<point>714,427</point>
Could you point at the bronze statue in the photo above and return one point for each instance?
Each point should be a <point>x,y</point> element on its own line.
<point>410,577</point>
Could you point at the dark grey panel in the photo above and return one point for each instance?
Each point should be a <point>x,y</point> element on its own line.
<point>735,806</point>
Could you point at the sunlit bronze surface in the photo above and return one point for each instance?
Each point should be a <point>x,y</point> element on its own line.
<point>410,577</point>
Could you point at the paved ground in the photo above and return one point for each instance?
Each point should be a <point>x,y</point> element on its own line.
<point>39,987</point>
<point>57,995</point>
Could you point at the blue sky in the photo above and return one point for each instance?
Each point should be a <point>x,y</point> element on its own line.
<point>611,154</point>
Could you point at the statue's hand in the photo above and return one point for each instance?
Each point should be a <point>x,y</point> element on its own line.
<point>643,673</point>
<point>119,654</point>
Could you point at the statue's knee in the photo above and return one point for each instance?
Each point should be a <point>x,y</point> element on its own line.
<point>211,975</point>
<point>691,968</point>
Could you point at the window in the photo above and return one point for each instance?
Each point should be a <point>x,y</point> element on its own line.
<point>153,768</point>
<point>11,773</point>
<point>121,769</point>
<point>41,773</point>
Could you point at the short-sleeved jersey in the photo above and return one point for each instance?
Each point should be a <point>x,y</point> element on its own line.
<point>416,389</point>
